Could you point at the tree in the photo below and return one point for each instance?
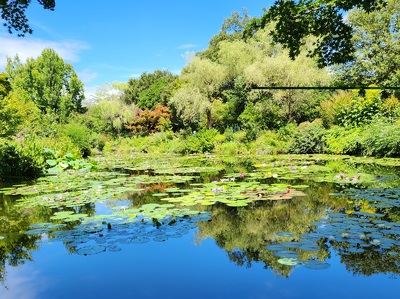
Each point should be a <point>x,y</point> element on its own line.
<point>204,78</point>
<point>49,82</point>
<point>295,21</point>
<point>109,113</point>
<point>377,43</point>
<point>147,90</point>
<point>280,70</point>
<point>232,29</point>
<point>5,86</point>
<point>15,109</point>
<point>150,121</point>
<point>13,14</point>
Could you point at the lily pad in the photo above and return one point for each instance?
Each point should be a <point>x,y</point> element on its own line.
<point>289,261</point>
<point>91,250</point>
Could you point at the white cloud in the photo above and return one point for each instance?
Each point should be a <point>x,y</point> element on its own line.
<point>86,75</point>
<point>90,92</point>
<point>32,47</point>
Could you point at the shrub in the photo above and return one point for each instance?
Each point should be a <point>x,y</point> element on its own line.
<point>340,140</point>
<point>200,142</point>
<point>381,139</point>
<point>310,139</point>
<point>20,160</point>
<point>80,135</point>
<point>268,143</point>
<point>231,148</point>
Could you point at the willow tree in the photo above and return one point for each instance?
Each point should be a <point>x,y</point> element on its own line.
<point>281,71</point>
<point>109,113</point>
<point>203,79</point>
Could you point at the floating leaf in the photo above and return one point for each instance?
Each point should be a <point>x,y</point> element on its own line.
<point>289,261</point>
<point>90,250</point>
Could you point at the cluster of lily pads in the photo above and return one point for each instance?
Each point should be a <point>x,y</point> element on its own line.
<point>98,234</point>
<point>234,193</point>
<point>67,191</point>
<point>349,232</point>
<point>288,250</point>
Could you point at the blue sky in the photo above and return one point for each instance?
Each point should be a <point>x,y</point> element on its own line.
<point>116,40</point>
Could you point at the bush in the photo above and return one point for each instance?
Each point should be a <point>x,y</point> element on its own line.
<point>340,140</point>
<point>231,148</point>
<point>80,135</point>
<point>20,160</point>
<point>310,139</point>
<point>381,139</point>
<point>200,142</point>
<point>268,143</point>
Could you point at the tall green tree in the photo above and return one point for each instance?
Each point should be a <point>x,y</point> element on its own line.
<point>280,70</point>
<point>5,86</point>
<point>49,82</point>
<point>195,100</point>
<point>15,109</point>
<point>377,42</point>
<point>13,14</point>
<point>296,20</point>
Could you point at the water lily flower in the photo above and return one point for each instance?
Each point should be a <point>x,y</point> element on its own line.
<point>241,175</point>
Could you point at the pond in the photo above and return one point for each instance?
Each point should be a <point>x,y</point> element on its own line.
<point>305,226</point>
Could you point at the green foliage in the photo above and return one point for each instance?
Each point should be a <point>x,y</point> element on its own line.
<point>20,160</point>
<point>340,140</point>
<point>287,105</point>
<point>310,139</point>
<point>361,110</point>
<point>268,143</point>
<point>68,161</point>
<point>231,30</point>
<point>376,41</point>
<point>5,86</point>
<point>157,94</point>
<point>149,89</point>
<point>61,144</point>
<point>161,142</point>
<point>13,15</point>
<point>80,135</point>
<point>349,109</point>
<point>16,113</point>
<point>194,101</point>
<point>381,139</point>
<point>199,142</point>
<point>295,21</point>
<point>109,114</point>
<point>49,82</point>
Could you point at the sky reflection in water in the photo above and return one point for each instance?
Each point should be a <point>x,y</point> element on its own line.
<point>178,268</point>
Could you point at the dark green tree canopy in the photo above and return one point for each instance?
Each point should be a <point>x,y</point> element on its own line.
<point>149,89</point>
<point>13,14</point>
<point>295,20</point>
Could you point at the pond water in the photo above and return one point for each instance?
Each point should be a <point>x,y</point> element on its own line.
<point>205,226</point>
